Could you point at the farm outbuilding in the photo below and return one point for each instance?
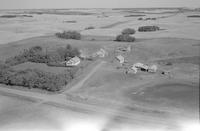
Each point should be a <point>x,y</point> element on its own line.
<point>141,66</point>
<point>120,58</point>
<point>146,68</point>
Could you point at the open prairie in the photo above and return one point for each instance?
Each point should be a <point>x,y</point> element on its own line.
<point>102,97</point>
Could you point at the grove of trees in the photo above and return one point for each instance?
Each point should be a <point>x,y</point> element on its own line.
<point>125,35</point>
<point>128,31</point>
<point>34,78</point>
<point>69,35</point>
<point>125,38</point>
<point>37,54</point>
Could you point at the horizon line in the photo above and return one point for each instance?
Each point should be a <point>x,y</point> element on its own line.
<point>181,7</point>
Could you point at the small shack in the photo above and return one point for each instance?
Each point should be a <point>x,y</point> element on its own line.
<point>120,58</point>
<point>153,69</point>
<point>134,69</point>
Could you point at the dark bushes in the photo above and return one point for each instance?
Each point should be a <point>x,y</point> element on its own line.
<point>5,73</point>
<point>125,38</point>
<point>140,18</point>
<point>36,54</point>
<point>70,21</point>
<point>148,28</point>
<point>14,16</point>
<point>134,15</point>
<point>69,35</point>
<point>33,78</point>
<point>125,35</point>
<point>68,52</point>
<point>128,31</point>
<point>90,28</point>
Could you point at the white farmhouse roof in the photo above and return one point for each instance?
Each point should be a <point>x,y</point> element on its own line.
<point>140,65</point>
<point>120,58</point>
<point>73,61</point>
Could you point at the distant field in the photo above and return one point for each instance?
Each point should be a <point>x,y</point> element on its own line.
<point>147,49</point>
<point>193,60</point>
<point>50,21</point>
<point>114,24</point>
<point>49,42</point>
<point>52,42</point>
<point>58,12</point>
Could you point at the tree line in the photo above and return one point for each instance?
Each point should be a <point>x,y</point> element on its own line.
<point>35,78</point>
<point>37,54</point>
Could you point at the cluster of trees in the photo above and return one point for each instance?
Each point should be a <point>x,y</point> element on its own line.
<point>125,35</point>
<point>33,54</point>
<point>55,58</point>
<point>128,31</point>
<point>69,35</point>
<point>34,78</point>
<point>148,28</point>
<point>68,52</point>
<point>90,28</point>
<point>37,54</point>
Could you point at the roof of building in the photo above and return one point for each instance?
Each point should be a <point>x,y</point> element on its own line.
<point>120,57</point>
<point>140,65</point>
<point>74,60</point>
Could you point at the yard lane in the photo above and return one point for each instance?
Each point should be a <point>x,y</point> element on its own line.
<point>80,83</point>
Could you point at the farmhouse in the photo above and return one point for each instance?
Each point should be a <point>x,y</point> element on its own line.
<point>141,66</point>
<point>120,58</point>
<point>131,70</point>
<point>73,61</point>
<point>146,68</point>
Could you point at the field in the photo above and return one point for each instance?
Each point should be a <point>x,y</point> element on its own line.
<point>101,91</point>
